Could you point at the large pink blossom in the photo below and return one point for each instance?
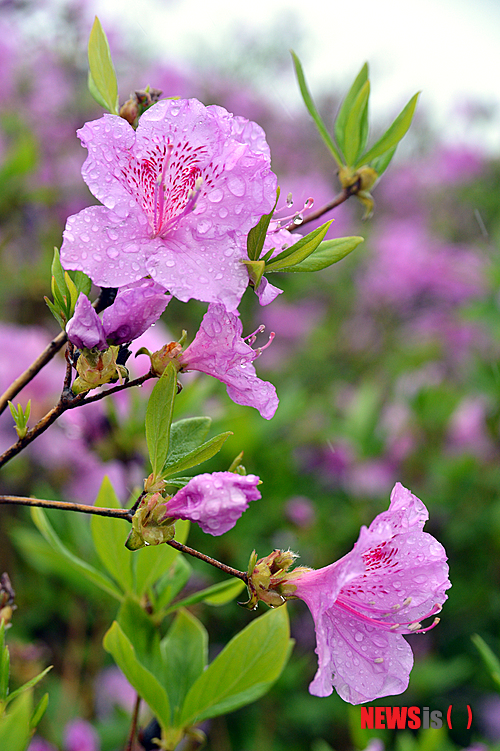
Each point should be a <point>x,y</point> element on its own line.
<point>219,350</point>
<point>214,501</point>
<point>395,576</point>
<point>180,195</point>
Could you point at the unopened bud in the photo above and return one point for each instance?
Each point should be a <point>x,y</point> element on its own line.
<point>150,524</point>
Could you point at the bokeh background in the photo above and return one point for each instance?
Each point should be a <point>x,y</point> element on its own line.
<point>386,364</point>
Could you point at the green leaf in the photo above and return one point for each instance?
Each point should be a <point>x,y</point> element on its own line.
<point>186,435</point>
<point>29,684</point>
<point>82,567</point>
<point>15,731</point>
<point>243,671</point>
<point>159,417</point>
<point>101,67</point>
<point>145,683</point>
<point>489,657</point>
<point>82,282</point>
<point>39,712</point>
<point>184,655</point>
<point>198,456</point>
<point>138,627</point>
<point>381,163</point>
<point>311,108</point>
<point>393,134</point>
<point>95,92</point>
<point>109,537</point>
<point>346,107</point>
<point>154,561</point>
<point>172,583</point>
<point>357,125</point>
<point>218,594</point>
<point>299,250</point>
<point>327,253</point>
<point>257,235</point>
<point>4,664</point>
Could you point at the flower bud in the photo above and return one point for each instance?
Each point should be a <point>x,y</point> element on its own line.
<point>150,524</point>
<point>97,368</point>
<point>269,579</point>
<point>7,595</point>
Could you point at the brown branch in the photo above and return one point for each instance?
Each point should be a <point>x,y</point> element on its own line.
<point>64,506</point>
<point>339,198</point>
<point>67,401</point>
<point>133,726</point>
<point>35,367</point>
<point>206,558</point>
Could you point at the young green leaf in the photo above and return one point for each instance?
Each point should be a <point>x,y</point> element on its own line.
<point>197,456</point>
<point>299,250</point>
<point>327,253</point>
<point>393,134</point>
<point>245,669</point>
<point>145,683</point>
<point>311,108</point>
<point>184,654</point>
<point>380,163</point>
<point>257,235</point>
<point>171,584</point>
<point>102,70</point>
<point>82,567</point>
<point>15,725</point>
<point>159,418</point>
<point>346,107</point>
<point>4,665</point>
<point>39,712</point>
<point>357,125</point>
<point>489,657</point>
<point>29,684</point>
<point>109,536</point>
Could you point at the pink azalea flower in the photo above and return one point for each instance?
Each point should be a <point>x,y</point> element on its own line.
<point>180,194</point>
<point>219,350</point>
<point>395,576</point>
<point>79,735</point>
<point>135,308</point>
<point>214,501</point>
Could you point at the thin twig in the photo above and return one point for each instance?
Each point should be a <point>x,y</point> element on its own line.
<point>339,198</point>
<point>206,558</point>
<point>133,726</point>
<point>64,506</point>
<point>42,360</point>
<point>67,401</point>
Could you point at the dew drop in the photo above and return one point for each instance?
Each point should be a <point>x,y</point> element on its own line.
<point>214,196</point>
<point>112,253</point>
<point>236,185</point>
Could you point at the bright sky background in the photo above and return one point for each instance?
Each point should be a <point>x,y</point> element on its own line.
<point>449,49</point>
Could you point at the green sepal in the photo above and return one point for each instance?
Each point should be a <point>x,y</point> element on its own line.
<point>327,253</point>
<point>257,235</point>
<point>311,108</point>
<point>393,134</point>
<point>346,107</point>
<point>299,250</point>
<point>159,418</point>
<point>245,669</point>
<point>357,125</point>
<point>255,271</point>
<point>102,72</point>
<point>199,455</point>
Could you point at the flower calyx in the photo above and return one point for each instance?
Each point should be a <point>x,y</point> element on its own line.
<point>359,183</point>
<point>95,368</point>
<point>151,524</point>
<point>270,580</point>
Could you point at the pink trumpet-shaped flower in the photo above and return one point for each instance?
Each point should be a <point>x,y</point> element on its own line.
<point>219,350</point>
<point>180,195</point>
<point>395,576</point>
<point>214,501</point>
<point>135,308</point>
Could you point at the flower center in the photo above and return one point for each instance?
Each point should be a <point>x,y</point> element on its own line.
<point>166,183</point>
